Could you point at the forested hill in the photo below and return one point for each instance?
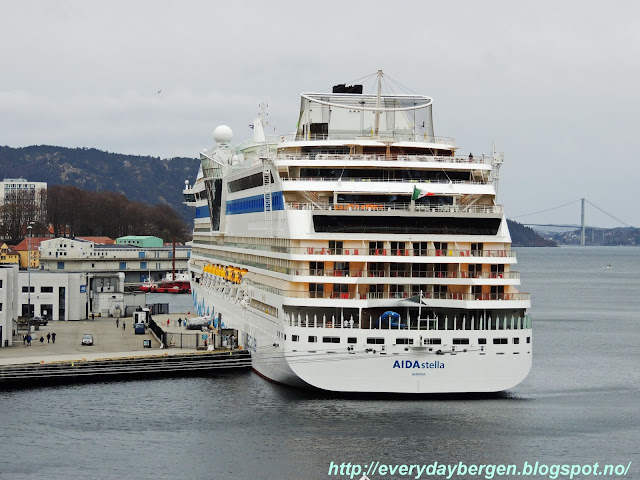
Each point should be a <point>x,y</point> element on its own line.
<point>149,180</point>
<point>522,236</point>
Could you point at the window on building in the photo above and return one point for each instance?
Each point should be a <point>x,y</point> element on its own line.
<point>140,254</point>
<point>516,340</point>
<point>0,283</point>
<point>500,341</point>
<point>46,289</point>
<point>143,265</point>
<point>123,266</point>
<point>482,341</point>
<point>375,340</point>
<point>60,265</point>
<point>404,341</point>
<point>330,339</point>
<point>461,341</point>
<point>26,289</point>
<point>312,339</point>
<point>295,338</point>
<point>352,340</point>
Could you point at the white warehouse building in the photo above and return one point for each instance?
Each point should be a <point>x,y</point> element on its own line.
<point>137,263</point>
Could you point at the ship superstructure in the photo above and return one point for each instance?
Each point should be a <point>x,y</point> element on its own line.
<point>360,253</point>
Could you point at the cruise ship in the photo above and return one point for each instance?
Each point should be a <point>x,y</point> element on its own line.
<point>360,253</point>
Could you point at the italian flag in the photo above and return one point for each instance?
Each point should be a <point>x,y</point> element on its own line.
<point>417,193</point>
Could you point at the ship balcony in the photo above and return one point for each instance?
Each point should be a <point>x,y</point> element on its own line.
<point>403,252</point>
<point>284,159</point>
<point>453,275</point>
<point>386,137</point>
<point>446,296</point>
<point>436,323</point>
<point>397,207</point>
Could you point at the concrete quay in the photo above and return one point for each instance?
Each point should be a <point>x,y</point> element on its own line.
<point>116,353</point>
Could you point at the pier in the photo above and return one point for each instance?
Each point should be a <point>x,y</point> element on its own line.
<point>117,354</point>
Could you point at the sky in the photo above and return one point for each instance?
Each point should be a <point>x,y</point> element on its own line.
<point>555,84</point>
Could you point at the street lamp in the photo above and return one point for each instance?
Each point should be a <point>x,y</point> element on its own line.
<point>29,228</point>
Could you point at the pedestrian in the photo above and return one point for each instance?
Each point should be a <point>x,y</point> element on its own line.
<point>92,316</point>
<point>29,339</point>
<point>41,340</point>
<point>117,322</point>
<point>53,337</point>
<point>123,325</point>
<point>48,337</point>
<point>24,339</point>
<point>180,321</point>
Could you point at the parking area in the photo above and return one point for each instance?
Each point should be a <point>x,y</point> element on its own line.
<point>109,340</point>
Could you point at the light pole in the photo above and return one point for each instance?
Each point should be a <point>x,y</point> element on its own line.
<point>29,228</point>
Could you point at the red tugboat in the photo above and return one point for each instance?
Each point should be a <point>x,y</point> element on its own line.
<point>172,283</point>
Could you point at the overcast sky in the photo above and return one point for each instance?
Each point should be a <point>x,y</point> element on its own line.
<point>554,84</point>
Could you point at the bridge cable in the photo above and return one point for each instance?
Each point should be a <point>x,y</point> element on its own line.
<point>547,210</point>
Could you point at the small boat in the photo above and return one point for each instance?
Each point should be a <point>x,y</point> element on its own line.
<point>172,283</point>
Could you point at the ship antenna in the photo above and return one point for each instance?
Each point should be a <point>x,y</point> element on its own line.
<point>377,124</point>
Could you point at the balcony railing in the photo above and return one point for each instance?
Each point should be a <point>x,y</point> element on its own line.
<point>404,295</point>
<point>379,158</point>
<point>326,272</point>
<point>390,207</point>
<point>435,323</point>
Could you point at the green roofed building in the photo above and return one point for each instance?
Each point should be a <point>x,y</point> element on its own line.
<point>145,241</point>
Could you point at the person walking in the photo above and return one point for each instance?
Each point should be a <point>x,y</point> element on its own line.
<point>24,339</point>
<point>117,322</point>
<point>41,340</point>
<point>49,337</point>
<point>53,337</point>
<point>123,325</point>
<point>29,339</point>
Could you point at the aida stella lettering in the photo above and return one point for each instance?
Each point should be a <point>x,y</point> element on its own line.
<point>416,364</point>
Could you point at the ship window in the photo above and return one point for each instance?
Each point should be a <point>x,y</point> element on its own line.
<point>352,340</point>
<point>482,341</point>
<point>312,339</point>
<point>432,341</point>
<point>295,338</point>
<point>461,341</point>
<point>516,340</point>
<point>330,339</point>
<point>500,341</point>
<point>404,341</point>
<point>316,290</point>
<point>375,341</point>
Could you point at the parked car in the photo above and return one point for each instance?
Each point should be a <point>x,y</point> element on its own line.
<point>40,321</point>
<point>87,339</point>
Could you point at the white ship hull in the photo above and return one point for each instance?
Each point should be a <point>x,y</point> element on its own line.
<point>397,369</point>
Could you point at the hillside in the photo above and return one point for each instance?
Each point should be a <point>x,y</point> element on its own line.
<point>522,236</point>
<point>149,180</point>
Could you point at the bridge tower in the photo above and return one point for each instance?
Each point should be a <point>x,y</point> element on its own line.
<point>582,242</point>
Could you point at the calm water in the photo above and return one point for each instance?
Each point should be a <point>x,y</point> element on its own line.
<point>580,404</point>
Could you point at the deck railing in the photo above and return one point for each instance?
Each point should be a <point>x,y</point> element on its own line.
<point>327,272</point>
<point>285,157</point>
<point>471,323</point>
<point>390,207</point>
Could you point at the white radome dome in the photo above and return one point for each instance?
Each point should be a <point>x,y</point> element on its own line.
<point>222,134</point>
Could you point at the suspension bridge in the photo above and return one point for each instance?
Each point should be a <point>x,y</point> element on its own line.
<point>582,225</point>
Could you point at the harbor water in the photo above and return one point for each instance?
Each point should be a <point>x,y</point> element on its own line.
<point>579,405</point>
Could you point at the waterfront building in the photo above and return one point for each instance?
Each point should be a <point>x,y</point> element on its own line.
<point>8,303</point>
<point>8,254</point>
<point>138,263</point>
<point>145,241</point>
<point>23,252</point>
<point>54,295</point>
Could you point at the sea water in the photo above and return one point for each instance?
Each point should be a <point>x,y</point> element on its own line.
<point>579,405</point>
